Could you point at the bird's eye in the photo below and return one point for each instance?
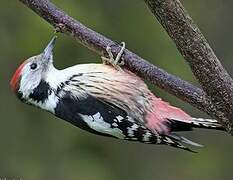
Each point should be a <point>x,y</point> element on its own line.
<point>33,66</point>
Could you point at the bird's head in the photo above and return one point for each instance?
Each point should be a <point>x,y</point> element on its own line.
<point>32,71</point>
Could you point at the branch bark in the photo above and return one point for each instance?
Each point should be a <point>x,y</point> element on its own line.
<point>204,64</point>
<point>98,43</point>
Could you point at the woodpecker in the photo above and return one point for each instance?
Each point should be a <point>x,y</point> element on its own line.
<point>104,99</point>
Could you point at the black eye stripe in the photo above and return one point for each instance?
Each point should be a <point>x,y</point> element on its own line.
<point>33,66</point>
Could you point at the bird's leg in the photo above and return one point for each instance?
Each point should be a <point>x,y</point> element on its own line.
<point>114,62</point>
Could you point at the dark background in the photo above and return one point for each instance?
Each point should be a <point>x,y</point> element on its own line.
<point>35,145</point>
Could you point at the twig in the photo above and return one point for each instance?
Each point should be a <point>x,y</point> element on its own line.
<point>97,42</point>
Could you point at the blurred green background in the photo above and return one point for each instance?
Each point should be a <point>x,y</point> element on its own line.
<point>35,145</point>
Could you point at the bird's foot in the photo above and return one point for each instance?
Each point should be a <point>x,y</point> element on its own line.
<point>117,62</point>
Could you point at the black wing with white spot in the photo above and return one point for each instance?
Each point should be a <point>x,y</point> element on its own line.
<point>101,117</point>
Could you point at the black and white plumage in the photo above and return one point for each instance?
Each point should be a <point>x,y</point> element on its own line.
<point>103,100</point>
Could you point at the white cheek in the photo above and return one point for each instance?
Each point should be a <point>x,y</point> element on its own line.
<point>29,81</point>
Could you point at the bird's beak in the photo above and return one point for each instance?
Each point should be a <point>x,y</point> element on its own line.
<point>48,52</point>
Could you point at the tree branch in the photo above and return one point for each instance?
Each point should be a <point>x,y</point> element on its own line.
<point>195,49</point>
<point>98,43</point>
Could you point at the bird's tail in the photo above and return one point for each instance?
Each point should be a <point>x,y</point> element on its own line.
<point>180,125</point>
<point>177,140</point>
<point>206,123</point>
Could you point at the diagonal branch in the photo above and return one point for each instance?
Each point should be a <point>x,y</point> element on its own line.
<point>97,42</point>
<point>206,67</point>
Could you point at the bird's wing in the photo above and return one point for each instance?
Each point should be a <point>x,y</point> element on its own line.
<point>100,117</point>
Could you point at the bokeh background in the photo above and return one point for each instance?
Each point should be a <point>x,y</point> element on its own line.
<point>34,145</point>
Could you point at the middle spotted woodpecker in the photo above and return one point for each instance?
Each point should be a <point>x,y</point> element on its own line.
<point>103,99</point>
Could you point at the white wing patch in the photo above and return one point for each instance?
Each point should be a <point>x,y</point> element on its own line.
<point>146,136</point>
<point>119,118</point>
<point>97,123</point>
<point>131,130</point>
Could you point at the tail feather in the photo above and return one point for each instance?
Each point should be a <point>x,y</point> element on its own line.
<point>206,123</point>
<point>182,139</point>
<point>175,142</point>
<point>178,125</point>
